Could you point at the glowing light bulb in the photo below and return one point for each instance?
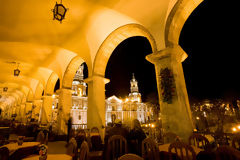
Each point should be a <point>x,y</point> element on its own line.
<point>234,129</point>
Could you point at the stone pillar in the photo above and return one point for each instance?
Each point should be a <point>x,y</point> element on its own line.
<point>96,102</point>
<point>36,111</point>
<point>65,105</point>
<point>28,107</point>
<point>10,112</point>
<point>18,107</point>
<point>46,109</point>
<point>174,105</point>
<point>22,112</point>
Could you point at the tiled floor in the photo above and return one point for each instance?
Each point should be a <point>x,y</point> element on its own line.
<point>57,147</point>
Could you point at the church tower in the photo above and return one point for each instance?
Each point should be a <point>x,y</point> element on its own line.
<point>79,100</point>
<point>134,84</point>
<point>78,85</point>
<point>134,96</point>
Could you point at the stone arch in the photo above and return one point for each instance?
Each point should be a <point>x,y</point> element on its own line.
<point>71,71</point>
<point>49,89</point>
<point>114,39</point>
<point>176,19</point>
<point>38,91</point>
<point>30,95</point>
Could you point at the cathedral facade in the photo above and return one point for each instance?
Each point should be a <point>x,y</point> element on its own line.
<point>79,101</point>
<point>128,109</point>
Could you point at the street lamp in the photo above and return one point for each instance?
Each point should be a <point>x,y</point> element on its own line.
<point>59,12</point>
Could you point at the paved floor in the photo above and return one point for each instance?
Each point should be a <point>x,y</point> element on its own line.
<point>57,147</point>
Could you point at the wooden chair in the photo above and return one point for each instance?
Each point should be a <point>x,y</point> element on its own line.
<point>182,150</point>
<point>130,157</point>
<point>227,153</point>
<point>94,130</point>
<point>96,143</point>
<point>72,148</point>
<point>40,137</point>
<point>4,153</point>
<point>236,141</point>
<point>81,136</point>
<point>117,146</point>
<point>198,141</point>
<point>46,139</point>
<point>150,150</point>
<point>169,137</point>
<point>84,151</point>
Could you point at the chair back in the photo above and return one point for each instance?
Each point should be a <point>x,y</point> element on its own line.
<point>96,142</point>
<point>169,137</point>
<point>117,146</point>
<point>227,153</point>
<point>81,132</point>
<point>198,141</point>
<point>184,151</point>
<point>236,141</point>
<point>4,153</point>
<point>94,130</point>
<point>84,151</point>
<point>72,147</point>
<point>46,139</point>
<point>150,150</point>
<point>81,136</point>
<point>130,157</point>
<point>40,137</point>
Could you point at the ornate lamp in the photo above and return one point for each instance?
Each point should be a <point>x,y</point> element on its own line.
<point>16,71</point>
<point>5,89</point>
<point>59,12</point>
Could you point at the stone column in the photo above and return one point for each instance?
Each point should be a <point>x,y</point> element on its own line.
<point>36,111</point>
<point>96,102</point>
<point>174,105</point>
<point>65,105</point>
<point>22,112</point>
<point>18,107</point>
<point>46,109</point>
<point>28,107</point>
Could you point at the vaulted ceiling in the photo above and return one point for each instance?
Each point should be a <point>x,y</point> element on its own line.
<point>42,46</point>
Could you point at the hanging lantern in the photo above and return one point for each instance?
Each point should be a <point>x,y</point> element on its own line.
<point>16,71</point>
<point>59,12</point>
<point>5,89</point>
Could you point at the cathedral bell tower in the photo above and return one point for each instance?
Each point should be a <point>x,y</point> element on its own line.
<point>78,85</point>
<point>134,96</point>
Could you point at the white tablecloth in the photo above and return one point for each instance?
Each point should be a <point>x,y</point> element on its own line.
<point>51,157</point>
<point>12,147</point>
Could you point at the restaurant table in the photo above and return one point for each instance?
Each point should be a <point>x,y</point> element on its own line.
<point>50,157</point>
<point>12,147</point>
<point>164,147</point>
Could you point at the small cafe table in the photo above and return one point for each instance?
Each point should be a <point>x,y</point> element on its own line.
<point>50,157</point>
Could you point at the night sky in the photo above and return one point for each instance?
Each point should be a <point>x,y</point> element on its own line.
<point>210,38</point>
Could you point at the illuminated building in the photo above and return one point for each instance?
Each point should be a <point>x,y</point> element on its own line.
<point>79,101</point>
<point>131,108</point>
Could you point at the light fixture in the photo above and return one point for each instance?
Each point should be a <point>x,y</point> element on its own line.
<point>16,71</point>
<point>59,11</point>
<point>5,89</point>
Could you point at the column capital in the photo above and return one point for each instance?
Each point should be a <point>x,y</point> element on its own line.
<point>174,51</point>
<point>29,102</point>
<point>37,100</point>
<point>97,77</point>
